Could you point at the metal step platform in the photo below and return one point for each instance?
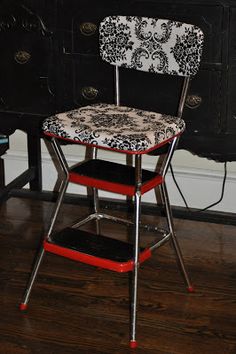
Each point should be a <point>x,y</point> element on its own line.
<point>112,177</point>
<point>97,250</point>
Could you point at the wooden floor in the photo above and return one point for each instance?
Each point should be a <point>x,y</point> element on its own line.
<point>75,308</point>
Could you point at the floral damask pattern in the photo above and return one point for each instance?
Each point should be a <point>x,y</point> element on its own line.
<point>116,39</point>
<point>120,128</point>
<point>147,44</point>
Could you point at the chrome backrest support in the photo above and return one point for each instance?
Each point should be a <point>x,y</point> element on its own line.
<point>117,86</point>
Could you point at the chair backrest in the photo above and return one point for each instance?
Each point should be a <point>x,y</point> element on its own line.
<point>150,44</point>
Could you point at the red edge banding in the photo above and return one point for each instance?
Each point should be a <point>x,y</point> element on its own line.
<point>133,344</point>
<point>120,267</point>
<point>23,307</point>
<point>117,150</point>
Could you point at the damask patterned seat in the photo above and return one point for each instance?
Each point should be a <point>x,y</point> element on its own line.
<point>115,127</point>
<point>152,45</point>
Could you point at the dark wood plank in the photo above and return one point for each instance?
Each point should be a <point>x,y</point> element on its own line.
<point>75,308</point>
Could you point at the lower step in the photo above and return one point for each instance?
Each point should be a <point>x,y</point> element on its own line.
<point>97,250</point>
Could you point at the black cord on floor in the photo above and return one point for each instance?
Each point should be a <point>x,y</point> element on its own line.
<point>209,206</point>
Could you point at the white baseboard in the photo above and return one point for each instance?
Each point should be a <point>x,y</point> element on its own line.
<point>200,187</point>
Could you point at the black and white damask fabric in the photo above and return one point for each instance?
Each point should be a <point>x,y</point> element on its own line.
<point>119,128</point>
<point>149,44</point>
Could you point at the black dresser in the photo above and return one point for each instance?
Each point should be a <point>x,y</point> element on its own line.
<point>50,63</point>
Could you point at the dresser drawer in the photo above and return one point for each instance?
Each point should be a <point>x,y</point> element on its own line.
<point>26,64</point>
<point>205,104</point>
<point>93,80</point>
<point>80,21</point>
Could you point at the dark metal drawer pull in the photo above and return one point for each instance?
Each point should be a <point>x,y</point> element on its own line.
<point>22,57</point>
<point>193,101</point>
<point>88,28</point>
<point>89,92</point>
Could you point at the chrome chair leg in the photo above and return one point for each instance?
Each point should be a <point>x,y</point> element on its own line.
<point>134,288</point>
<point>174,240</point>
<point>62,190</point>
<point>24,303</point>
<point>63,185</point>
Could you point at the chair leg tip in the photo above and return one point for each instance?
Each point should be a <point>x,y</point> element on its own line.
<point>23,307</point>
<point>191,289</point>
<point>133,344</point>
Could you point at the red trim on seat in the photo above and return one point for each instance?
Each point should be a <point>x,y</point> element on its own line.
<point>120,267</point>
<point>117,150</point>
<point>113,187</point>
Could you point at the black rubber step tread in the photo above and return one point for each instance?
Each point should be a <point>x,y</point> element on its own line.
<point>111,172</point>
<point>95,245</point>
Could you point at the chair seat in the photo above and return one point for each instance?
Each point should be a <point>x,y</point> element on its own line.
<point>111,127</point>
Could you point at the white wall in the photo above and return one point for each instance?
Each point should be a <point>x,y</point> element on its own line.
<point>200,179</point>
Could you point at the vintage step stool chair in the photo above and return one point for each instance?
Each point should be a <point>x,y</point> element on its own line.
<point>156,46</point>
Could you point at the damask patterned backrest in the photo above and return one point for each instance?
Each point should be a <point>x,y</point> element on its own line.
<point>150,44</point>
